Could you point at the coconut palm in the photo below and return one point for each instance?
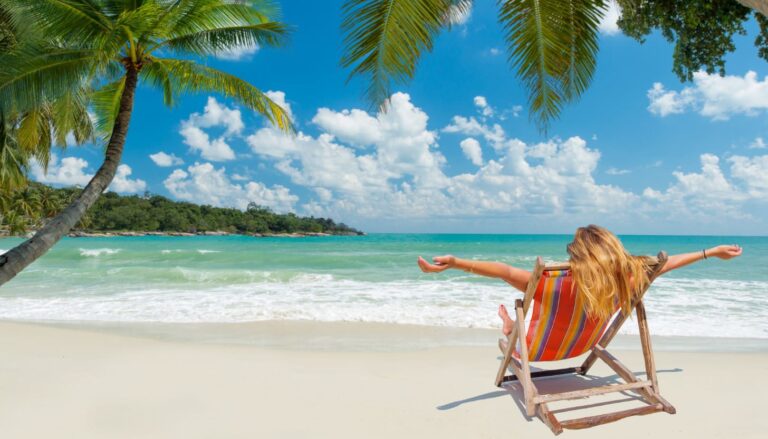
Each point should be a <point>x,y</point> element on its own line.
<point>29,134</point>
<point>108,47</point>
<point>551,44</point>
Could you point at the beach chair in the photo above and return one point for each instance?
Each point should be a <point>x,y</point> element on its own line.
<point>560,329</point>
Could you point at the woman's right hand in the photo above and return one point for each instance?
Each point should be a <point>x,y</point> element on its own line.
<point>441,263</point>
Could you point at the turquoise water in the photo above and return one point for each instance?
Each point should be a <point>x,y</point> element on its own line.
<point>371,278</point>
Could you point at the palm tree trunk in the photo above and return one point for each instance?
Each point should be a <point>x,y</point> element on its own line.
<point>16,259</point>
<point>760,6</point>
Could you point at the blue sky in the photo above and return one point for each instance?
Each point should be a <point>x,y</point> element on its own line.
<point>639,153</point>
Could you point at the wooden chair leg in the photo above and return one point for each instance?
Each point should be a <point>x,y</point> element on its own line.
<point>645,342</point>
<point>528,387</point>
<point>508,350</point>
<point>549,419</point>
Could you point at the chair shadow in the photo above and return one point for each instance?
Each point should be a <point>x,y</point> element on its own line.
<point>556,384</point>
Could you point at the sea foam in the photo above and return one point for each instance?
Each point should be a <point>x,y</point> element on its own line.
<point>96,252</point>
<point>677,307</point>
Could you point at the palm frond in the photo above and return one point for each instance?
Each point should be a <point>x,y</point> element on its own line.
<point>192,16</point>
<point>190,77</point>
<point>539,51</point>
<point>73,21</point>
<point>69,116</point>
<point>106,103</point>
<point>384,39</point>
<point>31,75</point>
<point>33,133</point>
<point>156,74</point>
<point>582,25</point>
<point>214,41</point>
<point>13,161</point>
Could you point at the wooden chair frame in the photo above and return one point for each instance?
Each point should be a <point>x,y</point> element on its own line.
<point>536,403</point>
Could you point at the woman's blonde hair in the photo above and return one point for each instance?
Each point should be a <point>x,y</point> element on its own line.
<point>604,273</point>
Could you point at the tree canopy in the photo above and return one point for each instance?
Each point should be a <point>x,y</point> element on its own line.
<point>702,31</point>
<point>36,204</point>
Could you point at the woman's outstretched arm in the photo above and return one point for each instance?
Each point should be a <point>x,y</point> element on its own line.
<point>516,277</point>
<point>683,259</point>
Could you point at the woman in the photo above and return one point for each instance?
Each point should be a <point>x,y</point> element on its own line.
<point>604,273</point>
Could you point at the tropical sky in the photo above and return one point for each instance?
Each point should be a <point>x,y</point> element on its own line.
<point>640,152</point>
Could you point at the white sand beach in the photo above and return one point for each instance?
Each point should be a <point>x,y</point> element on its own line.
<point>74,382</point>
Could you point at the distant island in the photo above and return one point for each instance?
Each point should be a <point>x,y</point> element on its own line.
<point>149,214</point>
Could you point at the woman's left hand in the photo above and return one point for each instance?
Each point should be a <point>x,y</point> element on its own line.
<point>442,263</point>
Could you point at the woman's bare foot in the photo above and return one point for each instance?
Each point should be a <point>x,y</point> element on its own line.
<point>508,322</point>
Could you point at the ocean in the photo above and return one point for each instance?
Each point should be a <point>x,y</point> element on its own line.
<point>370,278</point>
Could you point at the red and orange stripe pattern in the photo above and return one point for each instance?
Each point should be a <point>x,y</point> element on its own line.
<point>560,327</point>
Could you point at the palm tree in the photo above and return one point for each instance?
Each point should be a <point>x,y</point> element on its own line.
<point>107,47</point>
<point>552,44</point>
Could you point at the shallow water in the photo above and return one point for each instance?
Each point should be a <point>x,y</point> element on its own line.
<point>369,279</point>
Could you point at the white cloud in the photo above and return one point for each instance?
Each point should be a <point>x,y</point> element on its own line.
<point>482,106</point>
<point>238,53</point>
<point>70,171</point>
<point>122,183</point>
<point>354,126</point>
<point>753,173</point>
<point>714,96</point>
<point>616,171</point>
<point>609,23</point>
<point>758,143</point>
<point>664,102</point>
<point>472,127</point>
<point>400,173</point>
<point>278,97</point>
<point>700,193</point>
<point>214,115</point>
<point>165,160</point>
<point>471,149</point>
<point>494,51</point>
<point>204,184</point>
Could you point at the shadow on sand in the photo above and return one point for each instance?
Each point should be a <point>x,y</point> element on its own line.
<point>561,383</point>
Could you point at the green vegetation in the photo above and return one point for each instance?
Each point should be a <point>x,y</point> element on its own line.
<point>62,59</point>
<point>35,205</point>
<point>702,30</point>
<point>551,44</point>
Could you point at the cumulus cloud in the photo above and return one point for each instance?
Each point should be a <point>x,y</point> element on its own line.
<point>758,143</point>
<point>205,184</point>
<point>238,53</point>
<point>609,23</point>
<point>482,106</point>
<point>400,171</point>
<point>122,183</point>
<point>71,171</point>
<point>165,160</point>
<point>214,115</point>
<point>493,133</point>
<point>701,193</point>
<point>353,126</point>
<point>471,149</point>
<point>713,96</point>
<point>752,172</point>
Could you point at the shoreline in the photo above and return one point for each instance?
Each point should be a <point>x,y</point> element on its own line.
<point>92,384</point>
<point>364,336</point>
<point>115,234</point>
